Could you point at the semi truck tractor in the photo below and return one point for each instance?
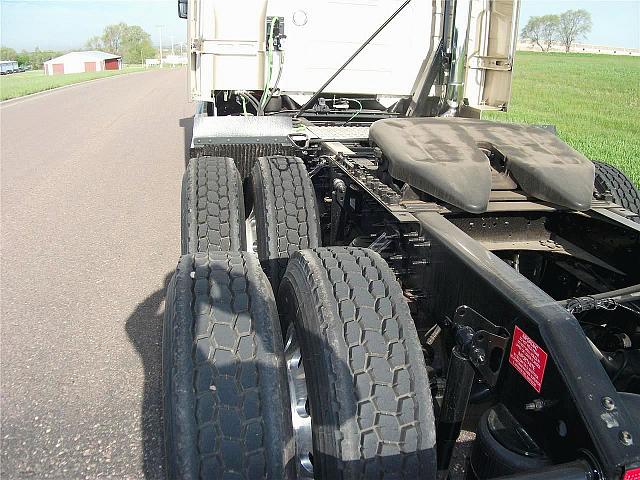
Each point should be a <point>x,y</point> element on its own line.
<point>369,268</point>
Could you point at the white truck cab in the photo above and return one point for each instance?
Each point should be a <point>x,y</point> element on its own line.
<point>232,48</point>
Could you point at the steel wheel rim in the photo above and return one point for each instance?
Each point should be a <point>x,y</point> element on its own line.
<point>300,416</point>
<point>251,233</point>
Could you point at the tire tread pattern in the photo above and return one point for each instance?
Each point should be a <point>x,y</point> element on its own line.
<point>213,207</point>
<point>286,206</point>
<point>622,189</point>
<point>230,406</point>
<point>364,312</point>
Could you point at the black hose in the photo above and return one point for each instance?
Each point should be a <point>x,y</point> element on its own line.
<point>625,362</point>
<point>251,99</point>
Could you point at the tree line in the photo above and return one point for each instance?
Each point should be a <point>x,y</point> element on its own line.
<point>131,42</point>
<point>36,58</point>
<point>565,29</point>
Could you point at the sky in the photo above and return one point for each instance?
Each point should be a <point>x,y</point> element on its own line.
<point>616,23</point>
<point>67,24</point>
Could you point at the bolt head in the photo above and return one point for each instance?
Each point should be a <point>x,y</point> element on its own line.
<point>477,356</point>
<point>626,438</point>
<point>608,404</point>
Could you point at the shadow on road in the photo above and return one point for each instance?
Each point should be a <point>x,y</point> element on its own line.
<point>187,129</point>
<point>144,328</point>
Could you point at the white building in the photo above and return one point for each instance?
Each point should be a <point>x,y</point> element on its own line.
<point>8,66</point>
<point>175,60</point>
<point>78,62</point>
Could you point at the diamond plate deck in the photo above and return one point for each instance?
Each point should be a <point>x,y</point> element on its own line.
<point>245,130</point>
<point>335,134</point>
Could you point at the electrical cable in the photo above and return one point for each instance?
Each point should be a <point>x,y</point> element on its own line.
<point>244,106</point>
<point>623,295</point>
<point>355,114</point>
<point>584,304</point>
<point>265,94</point>
<point>280,68</point>
<point>250,98</point>
<point>315,96</point>
<point>356,100</point>
<point>275,85</point>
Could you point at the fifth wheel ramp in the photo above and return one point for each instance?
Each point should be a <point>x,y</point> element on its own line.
<point>441,156</point>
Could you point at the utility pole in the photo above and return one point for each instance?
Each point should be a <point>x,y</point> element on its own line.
<point>173,54</point>
<point>160,27</point>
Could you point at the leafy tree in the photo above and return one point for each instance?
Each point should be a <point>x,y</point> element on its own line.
<point>550,25</point>
<point>23,58</point>
<point>542,31</point>
<point>112,37</point>
<point>38,57</point>
<point>94,43</point>
<point>7,53</point>
<point>532,31</point>
<point>35,58</point>
<point>136,45</point>
<point>574,24</point>
<point>129,41</point>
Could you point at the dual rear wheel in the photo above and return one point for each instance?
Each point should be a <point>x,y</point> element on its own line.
<point>347,396</point>
<point>225,391</point>
<point>623,191</point>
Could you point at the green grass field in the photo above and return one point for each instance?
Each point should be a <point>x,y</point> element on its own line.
<point>19,84</point>
<point>594,101</point>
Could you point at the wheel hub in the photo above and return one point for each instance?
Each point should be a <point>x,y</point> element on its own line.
<point>252,237</point>
<point>300,415</point>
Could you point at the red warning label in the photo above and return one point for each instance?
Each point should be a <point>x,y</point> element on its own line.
<point>633,474</point>
<point>528,358</point>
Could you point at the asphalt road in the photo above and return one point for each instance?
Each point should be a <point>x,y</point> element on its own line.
<point>90,200</point>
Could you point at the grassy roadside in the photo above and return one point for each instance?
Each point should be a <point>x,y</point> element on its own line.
<point>20,84</point>
<point>594,101</point>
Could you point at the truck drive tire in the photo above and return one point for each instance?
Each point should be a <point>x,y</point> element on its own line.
<point>368,392</point>
<point>285,210</point>
<point>212,217</point>
<point>226,404</point>
<point>622,190</point>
